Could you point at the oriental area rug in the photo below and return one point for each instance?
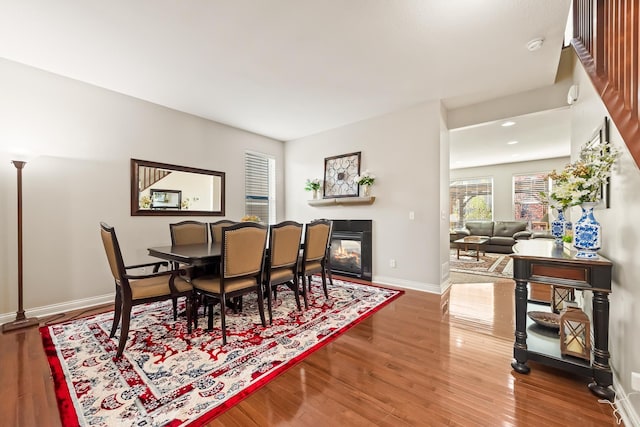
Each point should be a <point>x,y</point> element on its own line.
<point>490,264</point>
<point>167,377</point>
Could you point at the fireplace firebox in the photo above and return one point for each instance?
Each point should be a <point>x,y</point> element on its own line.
<point>351,247</point>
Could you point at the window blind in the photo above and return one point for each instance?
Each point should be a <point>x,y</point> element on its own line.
<point>259,186</point>
<point>528,203</point>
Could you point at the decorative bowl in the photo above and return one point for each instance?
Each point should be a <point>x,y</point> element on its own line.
<point>546,319</point>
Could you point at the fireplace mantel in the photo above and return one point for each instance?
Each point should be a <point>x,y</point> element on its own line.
<point>343,201</point>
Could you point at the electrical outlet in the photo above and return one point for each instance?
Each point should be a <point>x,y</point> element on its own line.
<point>635,381</point>
<point>412,215</point>
<point>392,263</point>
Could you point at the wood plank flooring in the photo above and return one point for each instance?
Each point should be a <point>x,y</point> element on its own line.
<point>423,360</point>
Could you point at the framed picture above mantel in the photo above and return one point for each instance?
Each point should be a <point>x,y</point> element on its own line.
<point>339,175</point>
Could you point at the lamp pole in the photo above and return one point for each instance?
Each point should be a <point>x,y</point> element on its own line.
<point>21,321</point>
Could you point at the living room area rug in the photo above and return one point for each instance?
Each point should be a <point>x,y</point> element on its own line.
<point>490,264</point>
<point>167,377</point>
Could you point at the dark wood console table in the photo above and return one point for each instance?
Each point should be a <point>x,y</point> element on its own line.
<point>541,261</point>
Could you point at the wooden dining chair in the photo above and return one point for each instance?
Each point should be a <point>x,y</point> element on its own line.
<point>216,229</point>
<point>139,289</point>
<point>241,270</point>
<point>314,254</point>
<point>282,262</point>
<point>187,233</point>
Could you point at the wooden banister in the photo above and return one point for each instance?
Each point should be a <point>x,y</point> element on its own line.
<point>606,40</point>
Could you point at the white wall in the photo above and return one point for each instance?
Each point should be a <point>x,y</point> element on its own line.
<point>403,150</point>
<point>620,241</point>
<point>85,137</point>
<point>503,180</point>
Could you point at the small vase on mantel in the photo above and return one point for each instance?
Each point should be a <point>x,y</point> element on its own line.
<point>366,191</point>
<point>587,232</point>
<point>315,194</point>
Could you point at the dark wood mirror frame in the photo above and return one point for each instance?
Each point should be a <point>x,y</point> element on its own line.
<point>136,210</point>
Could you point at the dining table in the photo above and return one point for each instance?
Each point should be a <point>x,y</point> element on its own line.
<point>199,254</point>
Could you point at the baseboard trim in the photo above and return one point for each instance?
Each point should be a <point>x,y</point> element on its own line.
<point>408,284</point>
<point>49,310</point>
<point>623,405</point>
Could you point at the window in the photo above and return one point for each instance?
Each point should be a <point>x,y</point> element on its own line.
<point>470,199</point>
<point>259,186</point>
<point>528,203</point>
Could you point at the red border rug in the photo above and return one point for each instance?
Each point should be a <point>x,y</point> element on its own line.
<point>168,377</point>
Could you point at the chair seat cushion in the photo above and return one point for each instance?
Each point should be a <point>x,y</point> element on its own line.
<point>311,267</point>
<point>156,286</point>
<point>280,275</point>
<point>211,284</point>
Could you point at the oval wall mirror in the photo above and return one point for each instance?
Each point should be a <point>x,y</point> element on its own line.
<point>162,189</point>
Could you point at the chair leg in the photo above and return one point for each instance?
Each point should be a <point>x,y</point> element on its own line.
<point>195,303</point>
<point>309,281</point>
<point>324,283</point>
<point>124,331</point>
<point>189,313</point>
<point>174,300</point>
<point>261,306</point>
<point>223,321</point>
<point>269,304</point>
<point>117,313</point>
<point>304,293</point>
<point>296,291</point>
<point>210,315</point>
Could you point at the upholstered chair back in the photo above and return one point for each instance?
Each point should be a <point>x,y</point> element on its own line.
<point>188,233</point>
<point>112,249</point>
<point>316,239</point>
<point>284,243</point>
<point>216,229</point>
<point>243,247</point>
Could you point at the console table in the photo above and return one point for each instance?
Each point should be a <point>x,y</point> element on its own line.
<point>542,261</point>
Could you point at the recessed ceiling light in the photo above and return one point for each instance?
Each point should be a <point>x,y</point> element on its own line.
<point>535,44</point>
<point>512,142</point>
<point>515,155</point>
<point>507,124</point>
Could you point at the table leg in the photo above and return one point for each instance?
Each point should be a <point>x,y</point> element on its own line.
<point>520,345</point>
<point>602,375</point>
<point>477,252</point>
<point>458,247</point>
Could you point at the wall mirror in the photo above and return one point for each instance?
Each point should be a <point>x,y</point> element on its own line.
<point>162,189</point>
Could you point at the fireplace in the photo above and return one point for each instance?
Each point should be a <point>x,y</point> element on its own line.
<point>350,253</point>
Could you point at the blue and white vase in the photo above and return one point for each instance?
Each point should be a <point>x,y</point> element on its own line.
<point>558,226</point>
<point>587,233</point>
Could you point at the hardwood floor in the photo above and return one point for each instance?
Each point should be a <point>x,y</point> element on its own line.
<point>422,360</point>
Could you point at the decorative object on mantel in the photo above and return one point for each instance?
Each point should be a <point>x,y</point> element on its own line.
<point>313,185</point>
<point>585,182</point>
<point>365,180</point>
<point>22,321</point>
<point>343,201</point>
<point>339,175</point>
<point>575,332</point>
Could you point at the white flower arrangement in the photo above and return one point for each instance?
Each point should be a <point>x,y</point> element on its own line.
<point>582,180</point>
<point>367,178</point>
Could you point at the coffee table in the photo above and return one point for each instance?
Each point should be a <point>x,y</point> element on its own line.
<point>474,242</point>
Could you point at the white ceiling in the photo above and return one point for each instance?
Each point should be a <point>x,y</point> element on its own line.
<point>290,68</point>
<point>541,135</point>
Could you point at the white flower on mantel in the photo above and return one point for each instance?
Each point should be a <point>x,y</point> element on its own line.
<point>367,178</point>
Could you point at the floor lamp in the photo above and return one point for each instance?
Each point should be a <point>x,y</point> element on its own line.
<point>21,321</point>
